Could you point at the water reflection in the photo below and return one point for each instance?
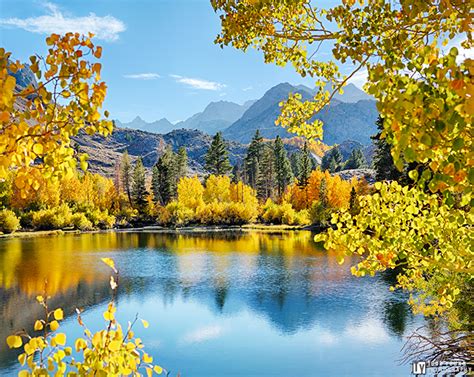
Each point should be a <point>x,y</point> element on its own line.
<point>282,280</point>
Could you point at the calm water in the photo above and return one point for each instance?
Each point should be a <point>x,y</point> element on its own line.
<point>225,304</point>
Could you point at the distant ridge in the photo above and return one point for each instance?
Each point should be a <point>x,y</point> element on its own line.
<point>343,120</point>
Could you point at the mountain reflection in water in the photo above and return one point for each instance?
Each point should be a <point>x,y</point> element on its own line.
<point>280,279</point>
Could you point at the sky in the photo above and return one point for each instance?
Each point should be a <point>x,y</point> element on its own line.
<point>159,59</point>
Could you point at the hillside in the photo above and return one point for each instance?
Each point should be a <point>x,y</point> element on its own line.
<point>104,152</point>
<point>342,120</point>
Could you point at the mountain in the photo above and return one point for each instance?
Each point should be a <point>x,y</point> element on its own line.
<point>159,126</point>
<point>342,119</point>
<point>104,152</point>
<point>216,117</point>
<point>351,94</point>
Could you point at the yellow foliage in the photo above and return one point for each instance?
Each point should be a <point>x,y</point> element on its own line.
<point>107,352</point>
<point>190,192</point>
<point>219,202</point>
<point>30,118</point>
<point>217,189</point>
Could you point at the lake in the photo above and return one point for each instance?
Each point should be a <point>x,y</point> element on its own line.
<point>219,304</point>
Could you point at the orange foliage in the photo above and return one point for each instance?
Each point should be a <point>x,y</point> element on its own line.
<point>338,191</point>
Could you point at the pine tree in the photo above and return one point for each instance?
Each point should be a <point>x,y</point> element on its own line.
<point>165,176</point>
<point>126,167</point>
<point>356,160</point>
<point>323,194</point>
<point>332,160</point>
<point>283,173</point>
<point>353,203</point>
<point>253,158</point>
<point>139,192</point>
<point>217,159</point>
<point>383,162</point>
<point>181,163</point>
<point>295,163</point>
<point>266,178</point>
<point>305,166</point>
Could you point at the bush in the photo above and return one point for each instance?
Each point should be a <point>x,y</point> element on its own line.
<point>52,218</point>
<point>283,213</point>
<point>81,222</point>
<point>100,219</point>
<point>319,214</point>
<point>8,221</point>
<point>179,214</point>
<point>26,220</point>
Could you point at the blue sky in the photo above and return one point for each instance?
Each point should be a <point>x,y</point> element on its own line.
<point>159,58</point>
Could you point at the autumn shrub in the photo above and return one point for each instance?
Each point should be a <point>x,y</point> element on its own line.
<point>81,222</point>
<point>8,221</point>
<point>179,214</point>
<point>52,218</point>
<point>100,219</point>
<point>284,213</point>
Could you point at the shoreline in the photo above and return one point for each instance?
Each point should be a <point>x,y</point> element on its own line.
<point>160,229</point>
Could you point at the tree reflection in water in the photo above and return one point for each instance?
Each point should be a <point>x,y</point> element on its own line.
<point>282,277</point>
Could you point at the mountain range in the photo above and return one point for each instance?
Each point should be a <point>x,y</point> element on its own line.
<point>349,116</point>
<point>349,122</point>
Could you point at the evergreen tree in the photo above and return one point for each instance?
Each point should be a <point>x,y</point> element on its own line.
<point>283,173</point>
<point>217,159</point>
<point>252,159</point>
<point>295,163</point>
<point>139,192</point>
<point>305,166</point>
<point>356,160</point>
<point>353,203</point>
<point>126,167</point>
<point>323,194</point>
<point>237,173</point>
<point>165,176</point>
<point>383,162</point>
<point>332,161</point>
<point>266,177</point>
<point>181,163</point>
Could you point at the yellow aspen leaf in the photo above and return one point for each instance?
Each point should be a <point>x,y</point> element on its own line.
<point>60,339</point>
<point>58,314</point>
<point>147,358</point>
<point>23,373</point>
<point>38,149</point>
<point>145,323</point>
<point>158,369</point>
<point>114,345</point>
<point>39,298</point>
<point>109,316</point>
<point>14,341</point>
<point>38,325</point>
<point>22,358</point>
<point>80,344</point>
<point>54,325</point>
<point>149,372</point>
<point>109,262</point>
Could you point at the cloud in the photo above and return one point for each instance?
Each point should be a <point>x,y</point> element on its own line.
<point>198,83</point>
<point>106,28</point>
<point>370,331</point>
<point>143,76</point>
<point>247,88</point>
<point>359,78</point>
<point>203,334</point>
